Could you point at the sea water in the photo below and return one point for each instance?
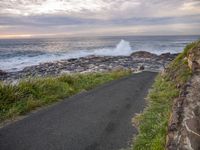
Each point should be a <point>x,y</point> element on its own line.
<point>15,54</point>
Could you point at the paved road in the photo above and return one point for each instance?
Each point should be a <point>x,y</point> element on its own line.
<point>96,120</point>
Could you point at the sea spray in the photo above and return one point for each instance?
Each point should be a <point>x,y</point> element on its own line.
<point>20,53</point>
<point>123,48</point>
<point>18,63</point>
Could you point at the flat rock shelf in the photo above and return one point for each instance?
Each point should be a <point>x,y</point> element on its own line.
<point>136,61</point>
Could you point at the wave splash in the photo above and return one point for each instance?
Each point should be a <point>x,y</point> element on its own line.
<point>123,48</point>
<point>18,63</point>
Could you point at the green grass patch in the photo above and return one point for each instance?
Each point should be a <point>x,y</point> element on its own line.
<point>29,94</point>
<point>153,122</point>
<point>178,70</point>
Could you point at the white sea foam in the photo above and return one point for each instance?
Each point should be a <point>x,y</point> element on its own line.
<point>123,48</point>
<point>17,54</point>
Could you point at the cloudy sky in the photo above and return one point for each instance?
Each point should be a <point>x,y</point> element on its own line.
<point>27,18</point>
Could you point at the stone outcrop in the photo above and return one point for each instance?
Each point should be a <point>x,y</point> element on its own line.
<point>2,73</point>
<point>143,54</point>
<point>168,56</point>
<point>194,59</point>
<point>184,126</point>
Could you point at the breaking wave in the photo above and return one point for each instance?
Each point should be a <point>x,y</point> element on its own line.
<point>17,63</point>
<point>123,48</point>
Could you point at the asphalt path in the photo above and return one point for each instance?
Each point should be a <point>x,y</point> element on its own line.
<point>99,119</point>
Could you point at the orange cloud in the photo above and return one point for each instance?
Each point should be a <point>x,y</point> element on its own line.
<point>11,36</point>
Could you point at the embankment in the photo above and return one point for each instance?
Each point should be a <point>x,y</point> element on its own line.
<point>184,126</point>
<point>173,106</point>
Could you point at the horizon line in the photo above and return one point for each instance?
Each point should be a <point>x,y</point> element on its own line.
<point>29,36</point>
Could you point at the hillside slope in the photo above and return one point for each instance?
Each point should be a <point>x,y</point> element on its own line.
<point>184,127</point>
<point>170,103</point>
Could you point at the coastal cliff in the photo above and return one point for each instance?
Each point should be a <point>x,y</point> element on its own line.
<point>184,127</point>
<point>171,119</point>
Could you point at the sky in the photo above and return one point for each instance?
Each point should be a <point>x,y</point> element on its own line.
<point>44,18</point>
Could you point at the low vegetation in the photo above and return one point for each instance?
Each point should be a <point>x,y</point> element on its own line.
<point>152,123</point>
<point>29,94</point>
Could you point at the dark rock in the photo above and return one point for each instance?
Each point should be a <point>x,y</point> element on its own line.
<point>168,56</point>
<point>143,54</point>
<point>171,146</point>
<point>92,64</point>
<point>164,55</point>
<point>178,85</point>
<point>72,59</point>
<point>3,73</point>
<point>172,127</point>
<point>141,67</point>
<point>197,111</point>
<point>183,93</point>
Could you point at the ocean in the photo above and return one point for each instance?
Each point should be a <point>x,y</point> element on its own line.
<point>16,54</point>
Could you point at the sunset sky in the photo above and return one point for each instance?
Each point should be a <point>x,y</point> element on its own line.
<point>38,18</point>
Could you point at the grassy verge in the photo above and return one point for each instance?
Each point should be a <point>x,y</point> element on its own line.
<point>152,123</point>
<point>29,94</point>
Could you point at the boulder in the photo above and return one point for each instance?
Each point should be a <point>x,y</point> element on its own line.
<point>140,68</point>
<point>143,54</point>
<point>168,56</point>
<point>3,73</point>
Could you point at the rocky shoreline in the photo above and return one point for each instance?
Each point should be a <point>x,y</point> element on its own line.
<point>136,61</point>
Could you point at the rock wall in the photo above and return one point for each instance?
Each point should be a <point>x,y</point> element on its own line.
<point>194,59</point>
<point>184,126</point>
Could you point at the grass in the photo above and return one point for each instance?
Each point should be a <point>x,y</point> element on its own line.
<point>153,122</point>
<point>178,70</point>
<point>29,94</point>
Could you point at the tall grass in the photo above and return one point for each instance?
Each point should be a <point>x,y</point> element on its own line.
<point>32,93</point>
